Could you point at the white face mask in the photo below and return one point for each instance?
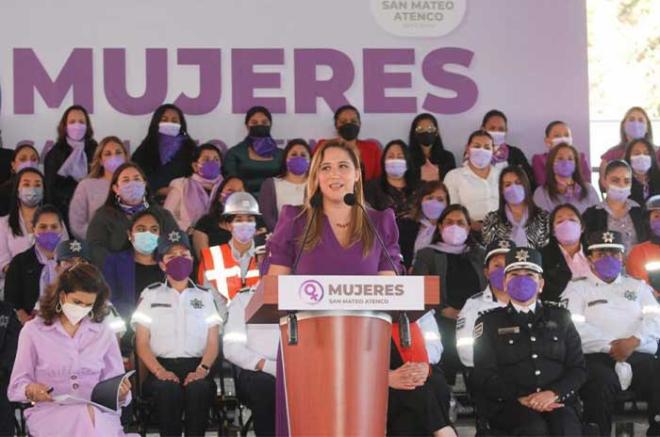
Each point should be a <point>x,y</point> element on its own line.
<point>75,313</point>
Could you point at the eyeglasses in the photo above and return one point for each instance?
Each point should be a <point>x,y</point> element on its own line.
<point>430,129</point>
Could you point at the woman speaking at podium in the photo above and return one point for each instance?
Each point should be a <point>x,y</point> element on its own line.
<point>330,235</point>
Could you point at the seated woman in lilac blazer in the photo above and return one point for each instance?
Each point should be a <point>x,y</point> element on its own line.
<point>68,350</point>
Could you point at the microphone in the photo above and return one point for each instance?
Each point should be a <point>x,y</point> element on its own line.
<point>315,202</point>
<point>404,323</point>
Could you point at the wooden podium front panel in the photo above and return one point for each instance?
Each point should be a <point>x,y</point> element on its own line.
<point>336,376</point>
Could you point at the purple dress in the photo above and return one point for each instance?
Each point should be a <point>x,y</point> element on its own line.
<point>327,258</point>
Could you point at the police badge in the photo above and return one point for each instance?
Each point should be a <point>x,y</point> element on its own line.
<point>630,295</point>
<point>196,303</point>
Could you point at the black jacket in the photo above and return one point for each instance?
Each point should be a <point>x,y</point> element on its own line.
<point>5,164</point>
<point>595,219</point>
<point>22,281</point>
<point>637,190</point>
<point>9,330</point>
<point>159,175</point>
<point>512,359</point>
<point>60,189</point>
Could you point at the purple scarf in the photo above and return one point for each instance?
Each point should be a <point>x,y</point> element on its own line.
<point>518,232</point>
<point>195,197</point>
<point>501,154</point>
<point>449,248</point>
<point>168,147</point>
<point>48,273</point>
<point>75,165</point>
<point>133,209</point>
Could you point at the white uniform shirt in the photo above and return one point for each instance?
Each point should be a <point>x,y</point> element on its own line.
<point>471,311</point>
<point>178,323</point>
<point>479,196</point>
<point>246,344</point>
<point>605,312</point>
<point>432,339</point>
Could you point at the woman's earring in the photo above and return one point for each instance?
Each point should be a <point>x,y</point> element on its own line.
<point>58,308</point>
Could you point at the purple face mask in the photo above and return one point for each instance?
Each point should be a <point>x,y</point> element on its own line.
<point>432,208</point>
<point>480,158</point>
<point>210,169</point>
<point>111,164</point>
<point>48,240</point>
<point>297,165</point>
<point>179,268</point>
<point>655,227</point>
<point>496,278</point>
<point>522,288</point>
<point>635,129</point>
<point>132,192</point>
<point>26,164</point>
<point>514,194</point>
<point>564,168</point>
<point>454,235</point>
<point>608,268</point>
<point>76,131</point>
<point>568,232</point>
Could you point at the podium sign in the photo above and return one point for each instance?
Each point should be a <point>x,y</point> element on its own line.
<point>350,293</point>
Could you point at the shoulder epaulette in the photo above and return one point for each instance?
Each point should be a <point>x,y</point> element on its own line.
<point>489,310</point>
<point>476,295</point>
<point>579,278</point>
<point>154,285</point>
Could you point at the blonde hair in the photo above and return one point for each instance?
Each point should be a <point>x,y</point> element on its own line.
<point>359,229</point>
<point>96,169</point>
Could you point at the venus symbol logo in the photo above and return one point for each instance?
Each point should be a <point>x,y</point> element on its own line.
<point>311,292</point>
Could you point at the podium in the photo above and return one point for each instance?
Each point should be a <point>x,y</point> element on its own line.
<point>335,376</point>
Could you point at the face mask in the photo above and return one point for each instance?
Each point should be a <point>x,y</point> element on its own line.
<point>496,278</point>
<point>617,193</point>
<point>498,137</point>
<point>210,169</point>
<point>169,129</point>
<point>425,138</point>
<point>480,158</point>
<point>260,131</point>
<point>76,131</point>
<point>112,163</point>
<point>31,196</point>
<point>349,131</point>
<point>48,240</point>
<point>608,268</point>
<point>522,288</point>
<point>395,168</point>
<point>75,313</point>
<point>432,208</point>
<point>297,165</point>
<point>564,167</point>
<point>145,242</point>
<point>243,231</point>
<point>514,194</point>
<point>454,235</point>
<point>559,140</point>
<point>635,129</point>
<point>132,192</point>
<point>655,227</point>
<point>26,164</point>
<point>179,268</point>
<point>640,163</point>
<point>568,232</point>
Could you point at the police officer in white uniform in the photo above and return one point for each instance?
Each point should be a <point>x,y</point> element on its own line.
<point>177,337</point>
<point>618,320</point>
<point>253,349</point>
<point>492,297</point>
<point>528,363</point>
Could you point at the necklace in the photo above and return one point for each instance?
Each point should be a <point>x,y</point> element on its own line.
<point>343,225</point>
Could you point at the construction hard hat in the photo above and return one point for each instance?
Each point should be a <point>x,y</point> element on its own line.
<point>241,202</point>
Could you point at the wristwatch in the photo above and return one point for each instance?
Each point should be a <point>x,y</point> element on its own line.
<point>205,367</point>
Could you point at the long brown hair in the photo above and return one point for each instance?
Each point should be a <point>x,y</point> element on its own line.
<point>61,126</point>
<point>359,229</point>
<point>81,277</point>
<point>578,178</point>
<point>96,169</point>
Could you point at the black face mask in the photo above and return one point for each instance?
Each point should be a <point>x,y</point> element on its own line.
<point>259,130</point>
<point>425,138</point>
<point>349,131</point>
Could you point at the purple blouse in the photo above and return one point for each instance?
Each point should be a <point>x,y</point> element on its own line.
<point>329,257</point>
